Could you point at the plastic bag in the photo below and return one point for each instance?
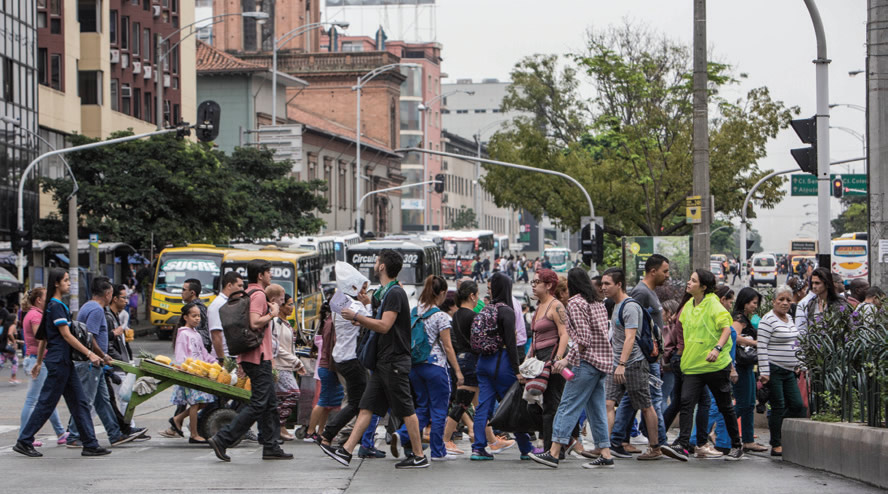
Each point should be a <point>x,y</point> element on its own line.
<point>514,414</point>
<point>126,388</point>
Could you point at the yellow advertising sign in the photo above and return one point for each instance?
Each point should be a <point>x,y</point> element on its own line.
<point>694,209</point>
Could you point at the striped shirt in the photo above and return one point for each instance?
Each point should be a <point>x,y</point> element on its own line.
<point>777,343</point>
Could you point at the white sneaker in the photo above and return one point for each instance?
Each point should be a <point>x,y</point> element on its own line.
<point>447,457</point>
<point>640,439</point>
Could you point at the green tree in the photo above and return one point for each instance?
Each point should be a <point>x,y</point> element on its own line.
<point>465,218</point>
<point>722,241</point>
<point>854,217</point>
<point>182,191</point>
<point>630,144</point>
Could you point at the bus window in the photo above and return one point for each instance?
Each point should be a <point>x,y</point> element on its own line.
<point>175,267</point>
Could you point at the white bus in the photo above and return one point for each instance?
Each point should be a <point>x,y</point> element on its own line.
<point>850,259</point>
<point>324,246</point>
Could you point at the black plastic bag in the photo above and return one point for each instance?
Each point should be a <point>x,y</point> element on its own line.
<point>514,414</point>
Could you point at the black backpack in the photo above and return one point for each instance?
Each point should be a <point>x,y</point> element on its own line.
<point>81,334</point>
<point>235,317</point>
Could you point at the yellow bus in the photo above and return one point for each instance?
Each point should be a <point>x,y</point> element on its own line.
<point>202,262</point>
<point>299,272</point>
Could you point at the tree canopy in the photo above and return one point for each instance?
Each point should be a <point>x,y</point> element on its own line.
<point>630,145</point>
<point>465,218</point>
<point>181,191</point>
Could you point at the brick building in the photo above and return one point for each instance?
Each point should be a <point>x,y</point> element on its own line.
<point>238,34</point>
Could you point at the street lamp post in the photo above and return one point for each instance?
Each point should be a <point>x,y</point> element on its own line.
<point>279,43</point>
<point>362,80</point>
<point>161,55</point>
<point>426,108</point>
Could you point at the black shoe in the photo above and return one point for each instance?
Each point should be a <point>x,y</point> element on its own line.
<point>413,462</point>
<point>396,442</point>
<point>734,455</point>
<point>545,458</point>
<point>674,453</point>
<point>370,453</point>
<point>776,453</point>
<point>96,451</point>
<point>339,454</point>
<point>600,462</point>
<point>619,452</point>
<point>276,454</point>
<point>26,449</point>
<point>73,444</point>
<point>125,438</point>
<point>251,436</point>
<point>218,449</point>
<point>192,440</point>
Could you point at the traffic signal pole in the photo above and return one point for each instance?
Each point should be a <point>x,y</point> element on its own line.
<point>388,189</point>
<point>822,117</point>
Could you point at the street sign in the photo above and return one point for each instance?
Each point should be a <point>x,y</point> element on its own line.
<point>806,185</point>
<point>693,209</point>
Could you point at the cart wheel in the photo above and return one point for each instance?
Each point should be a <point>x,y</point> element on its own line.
<point>299,433</point>
<point>216,420</point>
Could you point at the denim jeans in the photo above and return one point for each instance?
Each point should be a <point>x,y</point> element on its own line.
<point>96,391</point>
<point>786,401</point>
<point>431,387</point>
<point>368,440</point>
<point>584,392</point>
<point>493,385</point>
<point>666,389</point>
<point>34,393</point>
<point>744,393</point>
<point>625,414</point>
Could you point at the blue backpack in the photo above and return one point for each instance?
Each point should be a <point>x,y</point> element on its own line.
<point>648,336</point>
<point>420,347</point>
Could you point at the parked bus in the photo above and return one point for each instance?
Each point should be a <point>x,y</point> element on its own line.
<point>461,247</point>
<point>801,247</point>
<point>298,272</point>
<point>421,259</point>
<point>202,262</point>
<point>559,258</point>
<point>501,245</point>
<point>341,243</point>
<point>850,259</point>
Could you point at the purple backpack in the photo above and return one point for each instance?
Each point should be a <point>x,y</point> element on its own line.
<point>485,338</point>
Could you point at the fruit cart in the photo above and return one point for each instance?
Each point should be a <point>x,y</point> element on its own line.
<point>167,375</point>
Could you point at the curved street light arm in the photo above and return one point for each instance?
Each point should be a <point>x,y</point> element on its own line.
<point>289,36</point>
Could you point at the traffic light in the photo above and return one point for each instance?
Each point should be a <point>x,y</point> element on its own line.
<point>592,243</point>
<point>360,227</point>
<point>439,186</point>
<point>207,126</point>
<point>21,241</point>
<point>806,128</point>
<point>749,248</point>
<point>838,187</point>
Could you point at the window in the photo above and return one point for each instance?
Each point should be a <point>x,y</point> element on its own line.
<point>176,113</point>
<point>328,177</point>
<point>137,36</point>
<point>445,112</point>
<point>352,46</point>
<point>480,111</point>
<point>8,79</point>
<point>55,7</point>
<point>114,94</point>
<point>174,5</point>
<point>164,48</point>
<point>42,76</point>
<point>137,102</point>
<point>55,26</point>
<point>125,99</point>
<point>112,27</point>
<point>461,112</point>
<point>146,4</point>
<point>174,62</point>
<point>146,44</point>
<point>496,110</point>
<point>249,26</point>
<point>343,194</point>
<point>89,13</point>
<point>55,71</point>
<point>148,113</point>
<point>410,118</point>
<point>124,32</point>
<point>41,20</point>
<point>89,84</point>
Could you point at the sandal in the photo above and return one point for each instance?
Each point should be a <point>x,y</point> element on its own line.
<point>175,428</point>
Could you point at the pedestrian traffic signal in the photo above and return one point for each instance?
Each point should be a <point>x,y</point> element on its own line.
<point>806,128</point>
<point>838,187</point>
<point>207,126</point>
<point>439,185</point>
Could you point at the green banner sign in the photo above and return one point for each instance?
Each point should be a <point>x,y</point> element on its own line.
<point>806,185</point>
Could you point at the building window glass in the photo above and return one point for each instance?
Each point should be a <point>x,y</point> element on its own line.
<point>89,13</point>
<point>137,36</point>
<point>55,71</point>
<point>125,99</point>
<point>176,113</point>
<point>42,76</point>
<point>148,114</point>
<point>343,191</point>
<point>124,32</point>
<point>137,102</point>
<point>41,19</point>
<point>328,177</point>
<point>146,44</point>
<point>112,27</point>
<point>55,26</point>
<point>55,7</point>
<point>413,85</point>
<point>89,84</point>
<point>114,96</point>
<point>410,115</point>
<point>175,60</point>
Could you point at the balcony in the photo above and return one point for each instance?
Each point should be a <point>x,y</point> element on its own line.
<point>320,63</point>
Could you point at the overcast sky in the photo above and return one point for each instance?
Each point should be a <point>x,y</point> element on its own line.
<point>770,41</point>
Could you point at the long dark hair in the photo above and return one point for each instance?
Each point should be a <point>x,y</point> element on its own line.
<point>827,279</point>
<point>746,295</point>
<point>578,283</point>
<point>56,275</point>
<point>707,280</point>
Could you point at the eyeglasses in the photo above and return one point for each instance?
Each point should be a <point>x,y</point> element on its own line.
<point>535,282</point>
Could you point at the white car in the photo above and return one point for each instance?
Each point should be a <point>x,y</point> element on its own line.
<point>764,270</point>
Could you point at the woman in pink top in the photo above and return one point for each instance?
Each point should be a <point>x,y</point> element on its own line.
<point>33,310</point>
<point>549,343</point>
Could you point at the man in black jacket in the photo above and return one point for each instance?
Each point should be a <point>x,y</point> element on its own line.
<point>119,349</point>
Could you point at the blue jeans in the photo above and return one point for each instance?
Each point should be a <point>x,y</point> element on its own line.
<point>34,393</point>
<point>431,387</point>
<point>493,385</point>
<point>95,389</point>
<point>368,440</point>
<point>668,386</point>
<point>744,394</point>
<point>625,414</point>
<point>584,392</point>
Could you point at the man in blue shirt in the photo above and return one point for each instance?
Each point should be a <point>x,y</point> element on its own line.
<point>92,377</point>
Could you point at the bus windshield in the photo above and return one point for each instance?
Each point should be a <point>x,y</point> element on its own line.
<point>557,257</point>
<point>459,247</point>
<point>177,267</point>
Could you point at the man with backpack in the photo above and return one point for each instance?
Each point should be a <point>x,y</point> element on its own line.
<point>389,384</point>
<point>656,272</point>
<point>256,363</point>
<point>631,373</point>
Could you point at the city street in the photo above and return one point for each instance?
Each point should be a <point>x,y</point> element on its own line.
<point>170,465</point>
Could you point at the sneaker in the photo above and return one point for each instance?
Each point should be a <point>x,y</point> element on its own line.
<point>276,453</point>
<point>735,454</point>
<point>218,449</point>
<point>251,436</point>
<point>125,438</point>
<point>63,438</point>
<point>755,448</point>
<point>601,462</point>
<point>639,439</point>
<point>370,453</point>
<point>26,449</point>
<point>706,452</point>
<point>501,445</point>
<point>679,454</point>
<point>339,454</point>
<point>650,454</point>
<point>480,455</point>
<point>73,443</point>
<point>545,459</point>
<point>631,449</point>
<point>619,452</point>
<point>570,446</point>
<point>537,451</point>
<point>395,444</point>
<point>451,448</point>
<point>413,462</point>
<point>447,457</point>
<point>97,451</point>
<point>37,444</point>
<point>591,453</point>
<point>312,438</point>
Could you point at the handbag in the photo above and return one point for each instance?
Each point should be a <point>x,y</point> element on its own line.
<point>81,334</point>
<point>514,414</point>
<point>747,356</point>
